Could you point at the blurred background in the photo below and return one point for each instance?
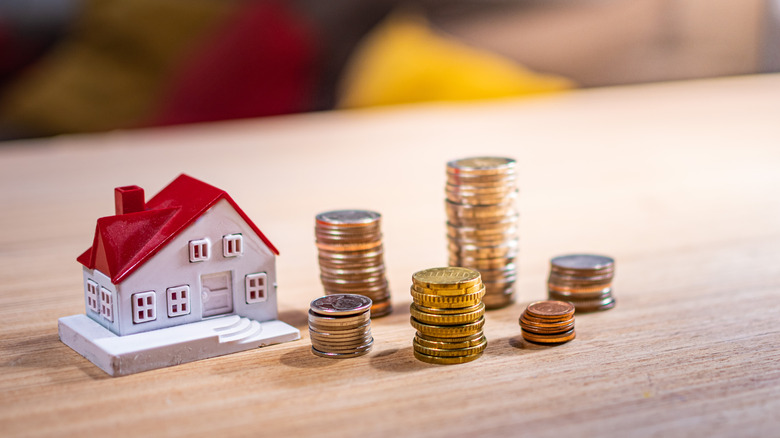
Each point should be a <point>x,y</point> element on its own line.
<point>69,66</point>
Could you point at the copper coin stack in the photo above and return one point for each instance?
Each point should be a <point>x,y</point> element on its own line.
<point>340,326</point>
<point>482,223</point>
<point>548,322</point>
<point>351,256</point>
<point>448,315</point>
<point>585,280</point>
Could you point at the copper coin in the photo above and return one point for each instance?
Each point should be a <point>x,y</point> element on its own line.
<point>550,309</point>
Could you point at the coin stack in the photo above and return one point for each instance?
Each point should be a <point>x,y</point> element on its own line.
<point>548,322</point>
<point>585,280</point>
<point>448,314</point>
<point>340,326</point>
<point>351,256</point>
<point>482,223</point>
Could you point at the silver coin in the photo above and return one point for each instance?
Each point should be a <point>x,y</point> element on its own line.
<point>341,304</point>
<point>351,217</point>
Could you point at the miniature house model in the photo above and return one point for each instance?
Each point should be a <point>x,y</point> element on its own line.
<point>182,277</point>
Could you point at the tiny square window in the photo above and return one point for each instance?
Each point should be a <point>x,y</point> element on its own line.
<point>199,250</point>
<point>106,304</point>
<point>144,307</point>
<point>93,303</point>
<point>232,245</point>
<point>256,286</point>
<point>178,301</point>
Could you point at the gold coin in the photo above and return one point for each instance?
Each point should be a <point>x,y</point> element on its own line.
<point>448,311</point>
<point>446,278</point>
<point>451,331</point>
<point>449,343</point>
<point>447,292</point>
<point>445,360</point>
<point>450,352</point>
<point>451,319</point>
<point>448,302</point>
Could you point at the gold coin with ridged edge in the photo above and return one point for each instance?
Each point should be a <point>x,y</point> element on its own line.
<point>449,302</point>
<point>446,278</point>
<point>451,343</point>
<point>448,311</point>
<point>447,319</point>
<point>447,292</point>
<point>445,360</point>
<point>448,331</point>
<point>450,352</point>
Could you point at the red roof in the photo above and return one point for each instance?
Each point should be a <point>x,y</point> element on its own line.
<point>125,242</point>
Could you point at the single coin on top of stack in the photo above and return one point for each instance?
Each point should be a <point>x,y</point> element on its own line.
<point>340,326</point>
<point>351,256</point>
<point>482,223</point>
<point>448,314</point>
<point>548,322</point>
<point>585,280</point>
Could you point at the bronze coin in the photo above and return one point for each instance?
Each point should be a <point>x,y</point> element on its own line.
<point>550,309</point>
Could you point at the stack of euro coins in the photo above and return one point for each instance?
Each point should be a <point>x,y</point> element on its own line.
<point>548,322</point>
<point>351,256</point>
<point>584,280</point>
<point>340,326</point>
<point>482,223</point>
<point>448,314</point>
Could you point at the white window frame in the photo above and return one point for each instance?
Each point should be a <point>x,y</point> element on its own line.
<point>256,287</point>
<point>93,302</point>
<point>232,245</point>
<point>144,307</point>
<point>200,250</point>
<point>178,300</point>
<point>106,304</point>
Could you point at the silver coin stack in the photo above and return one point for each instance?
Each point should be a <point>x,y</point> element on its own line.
<point>482,223</point>
<point>340,326</point>
<point>352,257</point>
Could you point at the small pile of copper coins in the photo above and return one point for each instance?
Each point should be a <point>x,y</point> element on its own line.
<point>548,322</point>
<point>584,280</point>
<point>482,223</point>
<point>448,314</point>
<point>340,326</point>
<point>352,257</point>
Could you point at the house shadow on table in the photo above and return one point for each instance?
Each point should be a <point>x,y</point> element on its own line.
<point>47,352</point>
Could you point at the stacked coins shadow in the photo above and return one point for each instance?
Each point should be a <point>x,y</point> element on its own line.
<point>340,326</point>
<point>482,223</point>
<point>585,280</point>
<point>351,256</point>
<point>548,322</point>
<point>448,315</point>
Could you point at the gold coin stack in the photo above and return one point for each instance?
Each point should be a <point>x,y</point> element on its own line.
<point>482,223</point>
<point>585,280</point>
<point>340,326</point>
<point>448,315</point>
<point>548,322</point>
<point>352,257</point>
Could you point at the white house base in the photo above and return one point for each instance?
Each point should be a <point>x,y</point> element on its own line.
<point>123,355</point>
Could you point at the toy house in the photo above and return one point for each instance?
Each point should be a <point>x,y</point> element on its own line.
<point>182,277</point>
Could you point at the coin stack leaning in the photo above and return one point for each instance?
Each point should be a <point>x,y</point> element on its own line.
<point>548,322</point>
<point>352,257</point>
<point>448,314</point>
<point>340,326</point>
<point>584,280</point>
<point>482,223</point>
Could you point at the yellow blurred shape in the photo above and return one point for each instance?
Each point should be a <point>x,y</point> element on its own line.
<point>404,61</point>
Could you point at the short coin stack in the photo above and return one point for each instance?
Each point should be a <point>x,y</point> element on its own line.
<point>482,222</point>
<point>340,326</point>
<point>448,314</point>
<point>548,322</point>
<point>585,280</point>
<point>351,256</point>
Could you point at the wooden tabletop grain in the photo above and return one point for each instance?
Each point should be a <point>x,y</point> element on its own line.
<point>679,182</point>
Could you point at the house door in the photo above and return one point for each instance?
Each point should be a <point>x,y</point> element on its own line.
<point>216,293</point>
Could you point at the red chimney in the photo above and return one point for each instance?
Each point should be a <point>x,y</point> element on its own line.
<point>129,199</point>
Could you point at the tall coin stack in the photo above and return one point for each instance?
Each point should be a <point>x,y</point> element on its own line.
<point>584,280</point>
<point>482,223</point>
<point>548,322</point>
<point>448,315</point>
<point>351,256</point>
<point>340,326</point>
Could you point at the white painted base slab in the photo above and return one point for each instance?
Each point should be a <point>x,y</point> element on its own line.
<point>123,355</point>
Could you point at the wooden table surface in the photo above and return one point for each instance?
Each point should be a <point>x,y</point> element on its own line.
<point>679,182</point>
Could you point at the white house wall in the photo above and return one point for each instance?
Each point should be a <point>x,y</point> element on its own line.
<point>171,267</point>
<point>103,281</point>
